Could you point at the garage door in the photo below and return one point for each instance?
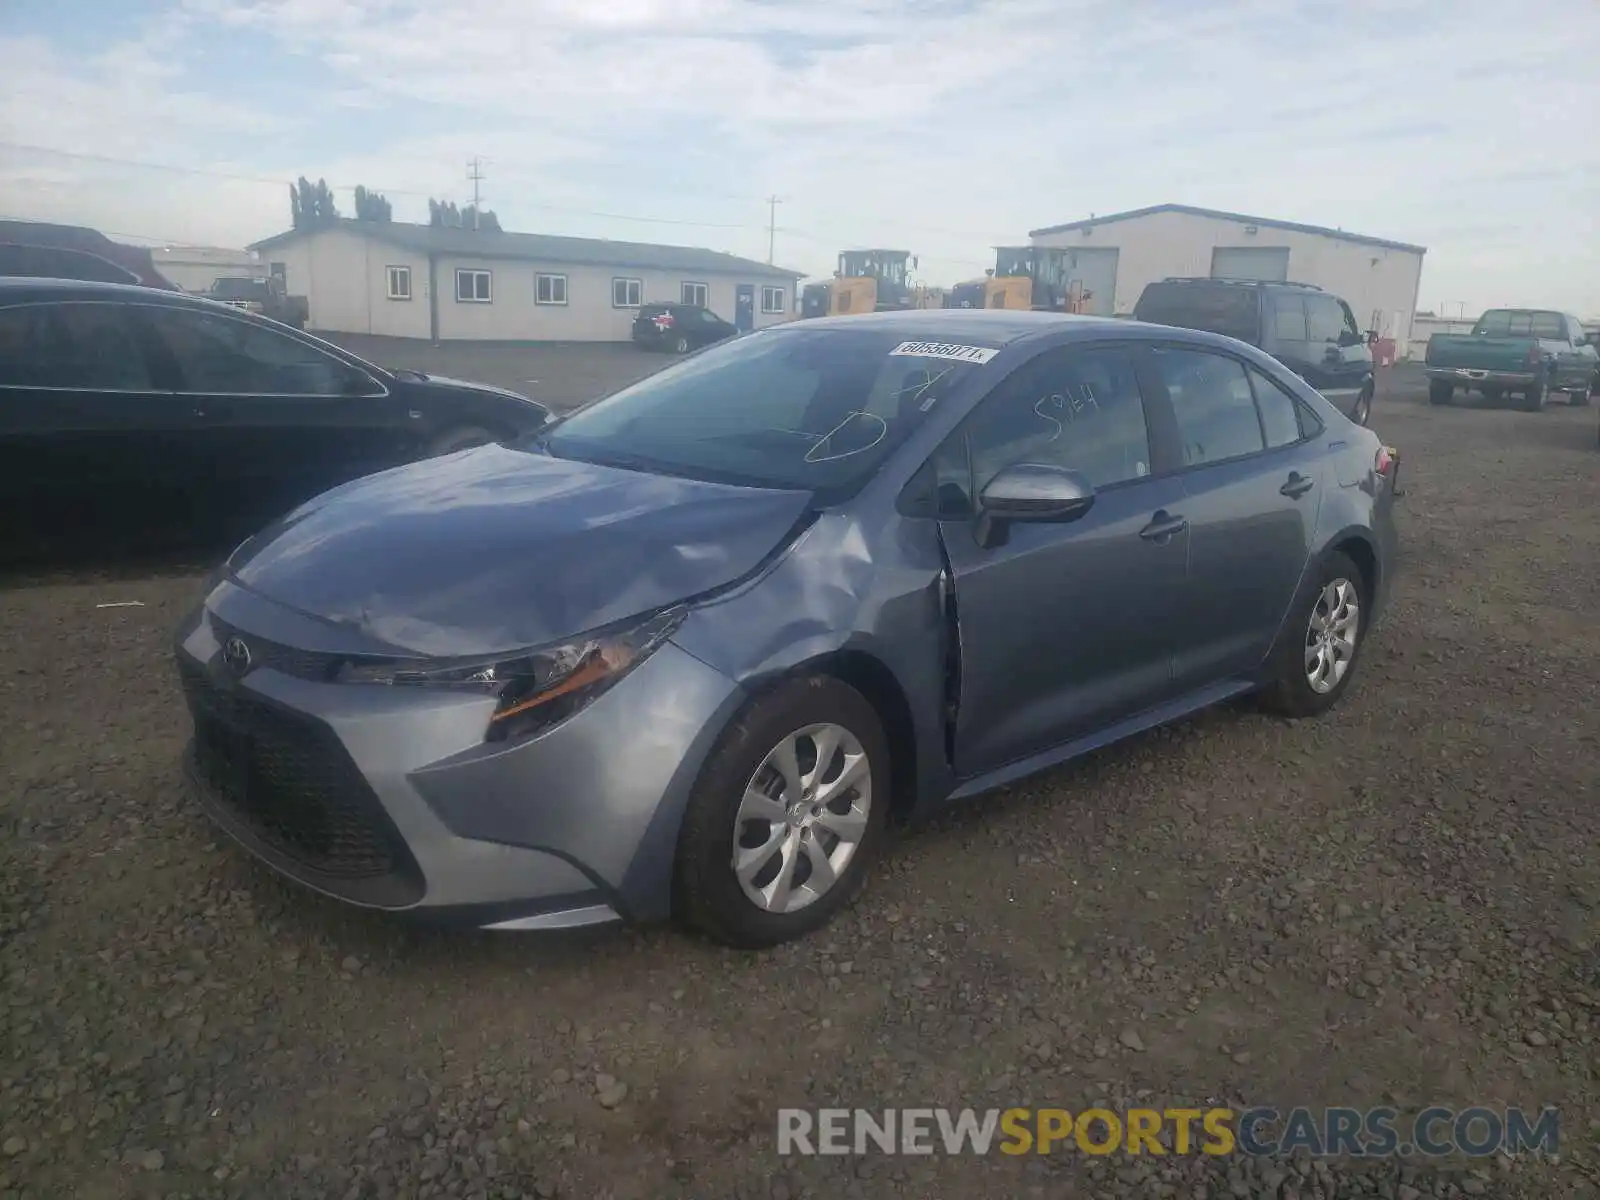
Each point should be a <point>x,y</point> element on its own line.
<point>1097,270</point>
<point>1250,262</point>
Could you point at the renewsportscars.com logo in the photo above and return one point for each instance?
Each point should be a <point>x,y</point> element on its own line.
<point>1360,1133</point>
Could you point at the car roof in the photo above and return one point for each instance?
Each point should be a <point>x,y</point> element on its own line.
<point>1234,281</point>
<point>990,324</point>
<point>27,287</point>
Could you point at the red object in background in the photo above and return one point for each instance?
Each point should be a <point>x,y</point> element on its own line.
<point>1383,352</point>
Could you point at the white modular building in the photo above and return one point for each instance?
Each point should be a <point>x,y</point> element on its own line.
<point>1115,256</point>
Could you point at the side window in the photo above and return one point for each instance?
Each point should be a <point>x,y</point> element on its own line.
<point>221,355</point>
<point>1289,317</point>
<point>1280,412</point>
<point>1212,400</point>
<point>1069,408</point>
<point>1548,325</point>
<point>83,346</point>
<point>1352,331</point>
<point>1324,319</point>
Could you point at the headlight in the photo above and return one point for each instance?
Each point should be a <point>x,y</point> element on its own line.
<point>538,688</point>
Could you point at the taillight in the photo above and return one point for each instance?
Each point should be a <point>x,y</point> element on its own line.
<point>1535,354</point>
<point>1385,461</point>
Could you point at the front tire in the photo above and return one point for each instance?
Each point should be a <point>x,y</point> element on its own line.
<point>1440,391</point>
<point>786,817</point>
<point>1315,659</point>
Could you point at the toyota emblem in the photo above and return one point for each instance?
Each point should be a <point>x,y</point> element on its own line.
<point>236,655</point>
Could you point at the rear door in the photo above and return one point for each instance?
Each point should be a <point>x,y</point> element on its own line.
<point>90,429</point>
<point>280,419</point>
<point>1064,628</point>
<point>1252,484</point>
<point>1290,342</point>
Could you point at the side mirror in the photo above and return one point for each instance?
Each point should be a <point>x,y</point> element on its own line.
<point>1036,492</point>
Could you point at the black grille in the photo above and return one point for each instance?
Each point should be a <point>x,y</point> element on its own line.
<point>288,779</point>
<point>301,664</point>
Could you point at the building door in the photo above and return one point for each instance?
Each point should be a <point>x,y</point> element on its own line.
<point>1096,270</point>
<point>744,307</point>
<point>1267,263</point>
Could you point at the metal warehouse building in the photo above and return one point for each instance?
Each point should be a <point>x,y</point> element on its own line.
<point>443,283</point>
<point>1115,256</point>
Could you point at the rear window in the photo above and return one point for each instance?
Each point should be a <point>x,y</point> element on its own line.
<point>811,409</point>
<point>53,262</point>
<point>1212,307</point>
<point>1515,322</point>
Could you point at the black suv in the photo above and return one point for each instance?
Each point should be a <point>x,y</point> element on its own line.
<point>1308,330</point>
<point>679,328</point>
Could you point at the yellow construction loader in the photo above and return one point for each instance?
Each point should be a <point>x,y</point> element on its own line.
<point>870,281</point>
<point>1024,277</point>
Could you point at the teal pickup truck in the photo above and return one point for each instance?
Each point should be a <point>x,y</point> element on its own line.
<point>1529,351</point>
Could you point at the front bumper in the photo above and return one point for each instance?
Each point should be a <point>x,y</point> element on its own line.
<point>1472,377</point>
<point>389,798</point>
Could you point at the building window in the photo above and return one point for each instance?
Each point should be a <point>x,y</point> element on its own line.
<point>697,294</point>
<point>549,289</point>
<point>399,283</point>
<point>772,299</point>
<point>472,287</point>
<point>627,293</point>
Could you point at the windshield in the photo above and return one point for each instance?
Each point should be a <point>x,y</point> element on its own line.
<point>812,409</point>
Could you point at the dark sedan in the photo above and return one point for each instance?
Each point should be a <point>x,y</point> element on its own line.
<point>679,328</point>
<point>692,647</point>
<point>125,407</point>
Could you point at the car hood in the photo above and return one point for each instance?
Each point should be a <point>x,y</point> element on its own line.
<point>495,549</point>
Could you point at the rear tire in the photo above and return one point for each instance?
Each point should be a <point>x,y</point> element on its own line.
<point>1532,400</point>
<point>708,894</point>
<point>1578,397</point>
<point>461,437</point>
<point>1326,627</point>
<point>1440,391</point>
<point>681,345</point>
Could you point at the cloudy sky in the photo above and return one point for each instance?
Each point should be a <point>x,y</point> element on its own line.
<point>942,126</point>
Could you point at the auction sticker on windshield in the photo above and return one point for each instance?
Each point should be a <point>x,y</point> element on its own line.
<point>971,354</point>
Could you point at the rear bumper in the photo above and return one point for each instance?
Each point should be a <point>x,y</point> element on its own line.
<point>1473,377</point>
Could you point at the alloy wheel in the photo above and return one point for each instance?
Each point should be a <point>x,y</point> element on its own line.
<point>1331,635</point>
<point>802,818</point>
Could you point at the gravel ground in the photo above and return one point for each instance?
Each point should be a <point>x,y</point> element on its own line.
<point>1396,904</point>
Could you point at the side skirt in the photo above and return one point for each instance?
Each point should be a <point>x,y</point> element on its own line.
<point>1162,714</point>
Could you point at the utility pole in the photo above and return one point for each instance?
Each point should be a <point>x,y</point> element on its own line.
<point>475,174</point>
<point>772,224</point>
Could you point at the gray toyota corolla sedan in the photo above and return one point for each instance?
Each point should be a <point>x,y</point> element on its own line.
<point>694,648</point>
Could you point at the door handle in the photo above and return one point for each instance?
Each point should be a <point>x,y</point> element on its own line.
<point>1298,485</point>
<point>1162,526</point>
